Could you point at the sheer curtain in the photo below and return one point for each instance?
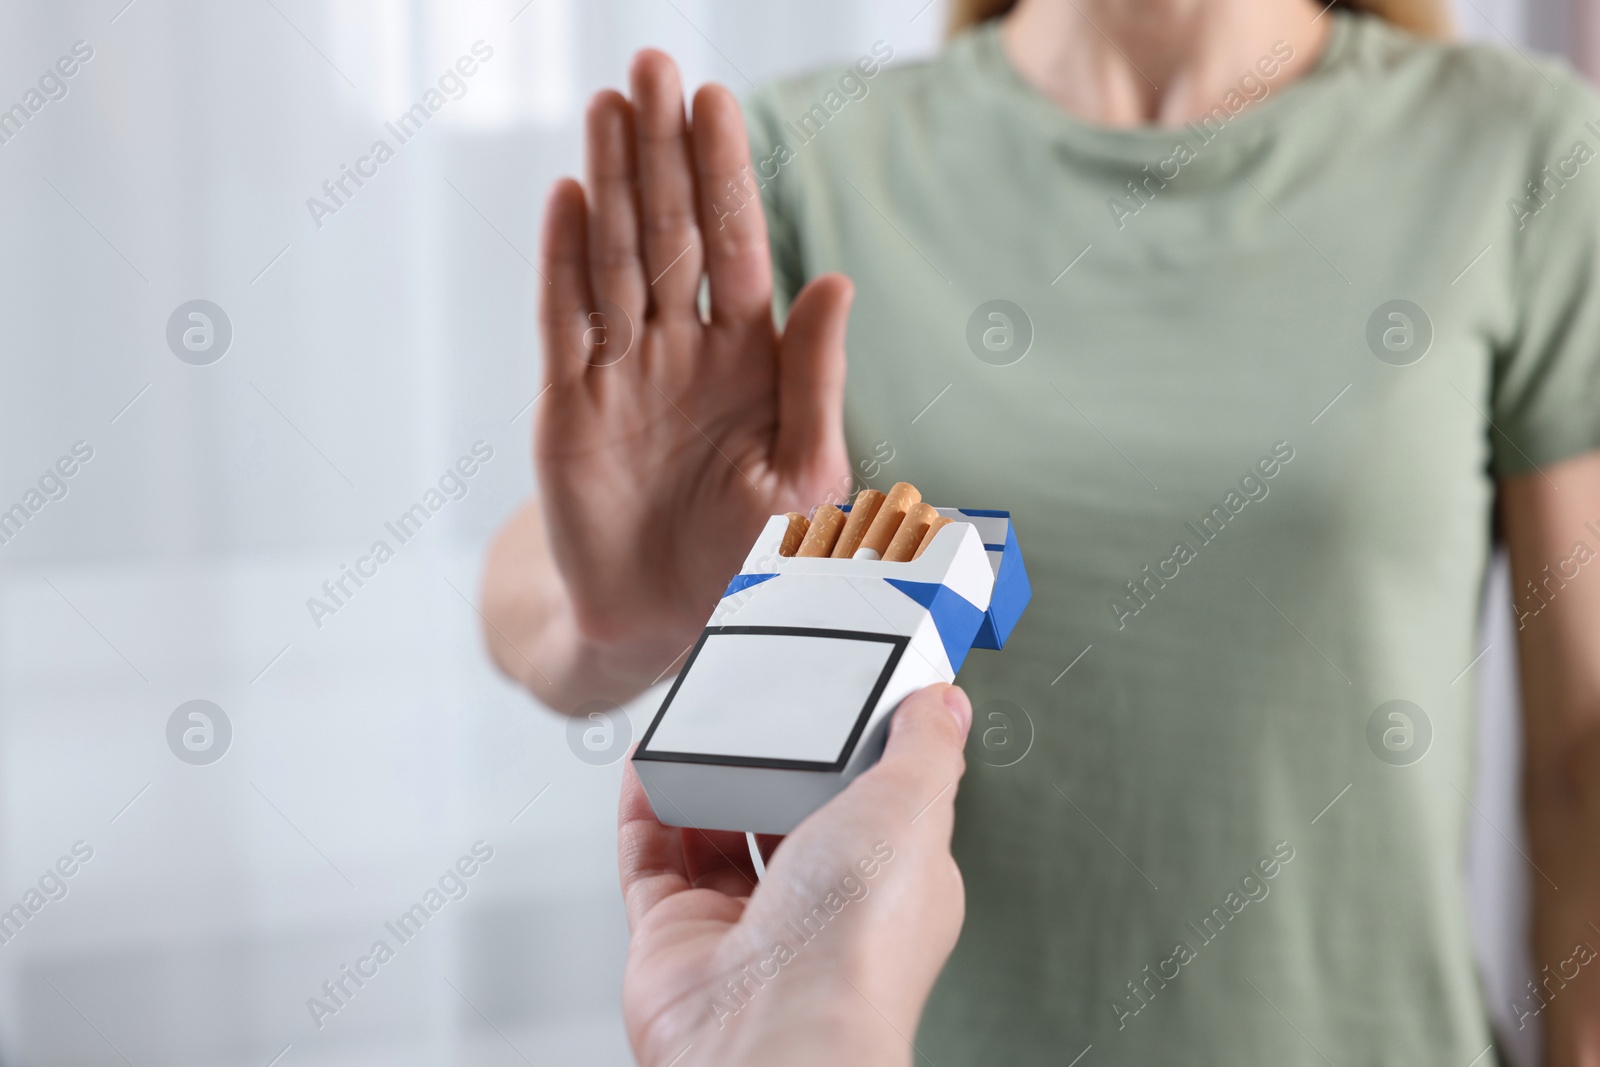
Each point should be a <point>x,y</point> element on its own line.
<point>366,338</point>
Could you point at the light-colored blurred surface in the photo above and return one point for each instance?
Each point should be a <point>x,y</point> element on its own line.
<point>371,752</point>
<point>369,353</point>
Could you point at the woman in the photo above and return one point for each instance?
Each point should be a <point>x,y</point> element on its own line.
<point>1257,317</point>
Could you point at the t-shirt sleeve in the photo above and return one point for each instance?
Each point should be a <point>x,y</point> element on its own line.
<point>762,113</point>
<point>1546,399</point>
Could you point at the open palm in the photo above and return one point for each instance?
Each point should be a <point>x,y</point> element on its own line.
<point>665,437</point>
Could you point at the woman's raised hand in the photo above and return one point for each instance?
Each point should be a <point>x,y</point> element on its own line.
<point>666,436</point>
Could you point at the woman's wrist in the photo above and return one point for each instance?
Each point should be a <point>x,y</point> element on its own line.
<point>537,635</point>
<point>568,668</point>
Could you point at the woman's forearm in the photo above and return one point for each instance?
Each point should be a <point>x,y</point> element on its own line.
<point>535,636</point>
<point>1563,815</point>
<point>1559,663</point>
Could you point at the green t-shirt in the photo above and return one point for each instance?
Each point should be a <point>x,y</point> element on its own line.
<point>1252,515</point>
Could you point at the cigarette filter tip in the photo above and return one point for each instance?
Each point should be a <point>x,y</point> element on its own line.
<point>826,522</point>
<point>901,498</point>
<point>862,512</point>
<point>939,522</point>
<point>798,525</point>
<point>909,535</point>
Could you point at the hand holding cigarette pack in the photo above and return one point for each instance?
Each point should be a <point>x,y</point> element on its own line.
<point>830,623</point>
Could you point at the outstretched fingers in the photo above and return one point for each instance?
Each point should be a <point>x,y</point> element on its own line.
<point>732,225</point>
<point>671,240</point>
<point>565,299</point>
<point>616,271</point>
<point>811,372</point>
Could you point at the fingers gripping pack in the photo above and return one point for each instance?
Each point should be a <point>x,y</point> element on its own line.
<point>830,623</point>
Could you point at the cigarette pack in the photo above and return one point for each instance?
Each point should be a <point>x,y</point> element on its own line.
<point>786,696</point>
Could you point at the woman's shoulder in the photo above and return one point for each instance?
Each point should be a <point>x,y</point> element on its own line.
<point>1494,88</point>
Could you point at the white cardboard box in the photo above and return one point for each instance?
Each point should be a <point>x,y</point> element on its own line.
<point>786,697</point>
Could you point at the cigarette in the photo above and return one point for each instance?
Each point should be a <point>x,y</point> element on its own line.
<point>862,512</point>
<point>910,534</point>
<point>939,522</point>
<point>798,524</point>
<point>826,522</point>
<point>902,496</point>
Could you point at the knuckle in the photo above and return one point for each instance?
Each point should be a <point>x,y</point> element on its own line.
<point>738,243</point>
<point>614,257</point>
<point>669,220</point>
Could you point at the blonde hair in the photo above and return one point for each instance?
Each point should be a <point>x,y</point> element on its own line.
<point>1425,18</point>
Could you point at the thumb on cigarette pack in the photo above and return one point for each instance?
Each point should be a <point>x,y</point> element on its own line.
<point>923,754</point>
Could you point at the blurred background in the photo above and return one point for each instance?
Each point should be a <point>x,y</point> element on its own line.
<point>345,361</point>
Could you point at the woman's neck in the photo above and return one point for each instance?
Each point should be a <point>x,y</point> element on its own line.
<point>1137,62</point>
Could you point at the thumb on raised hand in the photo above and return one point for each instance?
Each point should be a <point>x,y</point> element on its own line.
<point>811,369</point>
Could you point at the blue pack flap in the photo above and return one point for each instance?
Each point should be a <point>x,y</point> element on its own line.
<point>955,617</point>
<point>1012,592</point>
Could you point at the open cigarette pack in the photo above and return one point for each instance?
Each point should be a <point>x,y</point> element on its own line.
<point>787,695</point>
